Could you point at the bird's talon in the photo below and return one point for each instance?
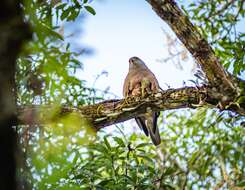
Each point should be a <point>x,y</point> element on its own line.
<point>98,109</point>
<point>125,102</point>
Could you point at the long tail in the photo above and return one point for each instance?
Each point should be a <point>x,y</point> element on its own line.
<point>153,129</point>
<point>141,123</point>
<point>148,124</point>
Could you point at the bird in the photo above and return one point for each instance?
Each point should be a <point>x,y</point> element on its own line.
<point>139,82</point>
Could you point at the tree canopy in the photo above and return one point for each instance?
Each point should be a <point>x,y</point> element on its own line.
<point>59,119</point>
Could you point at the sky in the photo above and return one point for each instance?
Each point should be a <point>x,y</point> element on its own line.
<point>123,29</point>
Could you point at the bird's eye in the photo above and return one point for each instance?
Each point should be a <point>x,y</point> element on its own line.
<point>133,60</point>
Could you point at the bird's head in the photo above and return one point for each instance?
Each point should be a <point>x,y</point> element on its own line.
<point>135,62</point>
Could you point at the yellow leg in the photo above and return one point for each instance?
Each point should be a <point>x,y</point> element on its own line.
<point>98,109</point>
<point>125,102</point>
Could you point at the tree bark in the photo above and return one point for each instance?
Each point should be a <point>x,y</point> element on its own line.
<point>188,34</point>
<point>13,32</point>
<point>114,111</point>
<point>227,88</point>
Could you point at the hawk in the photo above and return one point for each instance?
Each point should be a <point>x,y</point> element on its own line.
<point>140,81</point>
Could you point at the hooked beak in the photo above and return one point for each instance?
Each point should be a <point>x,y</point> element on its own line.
<point>130,61</point>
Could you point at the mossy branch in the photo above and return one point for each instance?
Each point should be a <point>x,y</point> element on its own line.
<point>114,111</point>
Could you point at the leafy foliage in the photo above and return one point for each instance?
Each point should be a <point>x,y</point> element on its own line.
<point>200,149</point>
<point>219,22</point>
<point>48,63</point>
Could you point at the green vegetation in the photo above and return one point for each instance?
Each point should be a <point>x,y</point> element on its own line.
<point>201,149</point>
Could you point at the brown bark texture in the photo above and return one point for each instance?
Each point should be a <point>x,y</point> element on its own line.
<point>228,90</point>
<point>114,111</point>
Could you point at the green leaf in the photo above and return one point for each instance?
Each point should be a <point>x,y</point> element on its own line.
<point>119,141</point>
<point>68,46</point>
<point>107,143</point>
<point>105,182</point>
<point>169,171</point>
<point>61,6</point>
<point>51,32</point>
<point>142,145</point>
<point>145,157</point>
<point>74,14</point>
<point>241,184</point>
<point>90,9</point>
<point>65,13</point>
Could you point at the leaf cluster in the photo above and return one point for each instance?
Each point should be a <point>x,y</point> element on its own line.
<point>220,22</point>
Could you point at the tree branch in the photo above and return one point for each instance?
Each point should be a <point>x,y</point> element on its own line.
<point>189,35</point>
<point>114,111</point>
<point>228,88</point>
<point>226,5</point>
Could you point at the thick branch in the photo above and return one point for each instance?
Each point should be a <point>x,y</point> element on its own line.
<point>114,111</point>
<point>193,41</point>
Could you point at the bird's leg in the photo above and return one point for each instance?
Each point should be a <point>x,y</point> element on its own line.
<point>125,102</point>
<point>99,108</point>
<point>144,85</point>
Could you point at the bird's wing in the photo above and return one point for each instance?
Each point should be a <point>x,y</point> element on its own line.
<point>154,83</point>
<point>155,117</point>
<point>141,123</point>
<point>126,86</point>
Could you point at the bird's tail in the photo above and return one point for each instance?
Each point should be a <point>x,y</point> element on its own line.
<point>153,129</point>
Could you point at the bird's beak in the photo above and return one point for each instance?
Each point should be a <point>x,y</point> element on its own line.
<point>131,61</point>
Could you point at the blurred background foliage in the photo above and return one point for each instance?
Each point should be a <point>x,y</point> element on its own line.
<point>201,149</point>
<point>217,21</point>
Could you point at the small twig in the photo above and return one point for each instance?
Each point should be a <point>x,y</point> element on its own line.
<point>222,9</point>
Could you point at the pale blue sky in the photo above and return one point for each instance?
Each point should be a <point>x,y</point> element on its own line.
<point>120,30</point>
